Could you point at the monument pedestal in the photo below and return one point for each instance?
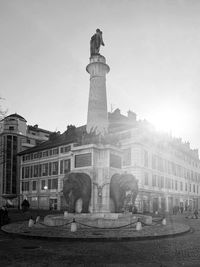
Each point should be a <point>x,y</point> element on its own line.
<point>105,162</point>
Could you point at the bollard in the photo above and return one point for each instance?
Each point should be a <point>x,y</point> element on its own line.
<point>138,225</point>
<point>30,222</point>
<point>65,214</point>
<point>73,226</point>
<point>164,222</point>
<point>37,219</point>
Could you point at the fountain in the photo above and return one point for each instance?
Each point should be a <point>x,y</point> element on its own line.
<point>99,194</point>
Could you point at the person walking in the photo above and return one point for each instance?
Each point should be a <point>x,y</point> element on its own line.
<point>196,214</point>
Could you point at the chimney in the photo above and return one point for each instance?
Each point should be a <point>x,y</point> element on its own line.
<point>132,115</point>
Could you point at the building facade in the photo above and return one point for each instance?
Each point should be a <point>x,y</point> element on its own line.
<point>15,136</point>
<point>167,170</point>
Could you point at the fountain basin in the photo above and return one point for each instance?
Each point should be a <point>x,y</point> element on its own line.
<point>100,220</point>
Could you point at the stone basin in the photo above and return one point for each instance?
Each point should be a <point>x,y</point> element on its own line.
<point>100,220</point>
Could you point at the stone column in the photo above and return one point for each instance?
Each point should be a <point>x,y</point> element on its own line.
<point>97,117</point>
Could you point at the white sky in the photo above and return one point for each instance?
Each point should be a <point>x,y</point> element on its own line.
<point>151,46</point>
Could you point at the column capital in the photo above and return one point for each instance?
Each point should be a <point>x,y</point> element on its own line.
<point>97,66</point>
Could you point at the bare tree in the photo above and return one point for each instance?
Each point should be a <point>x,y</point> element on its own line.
<point>2,148</point>
<point>2,112</point>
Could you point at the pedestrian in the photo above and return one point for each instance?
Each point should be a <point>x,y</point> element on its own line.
<point>134,210</point>
<point>4,219</point>
<point>196,214</point>
<point>181,208</point>
<point>25,205</point>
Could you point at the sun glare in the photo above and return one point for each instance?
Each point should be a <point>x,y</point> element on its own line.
<point>170,120</point>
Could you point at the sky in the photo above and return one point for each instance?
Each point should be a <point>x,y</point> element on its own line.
<point>151,46</point>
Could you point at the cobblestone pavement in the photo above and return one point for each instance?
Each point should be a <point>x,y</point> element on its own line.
<point>182,250</point>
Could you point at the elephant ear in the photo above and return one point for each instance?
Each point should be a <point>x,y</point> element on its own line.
<point>115,178</point>
<point>128,182</point>
<point>67,176</point>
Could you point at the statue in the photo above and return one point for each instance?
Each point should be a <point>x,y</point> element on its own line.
<point>95,43</point>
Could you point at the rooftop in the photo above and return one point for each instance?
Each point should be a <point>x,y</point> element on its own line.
<point>16,116</point>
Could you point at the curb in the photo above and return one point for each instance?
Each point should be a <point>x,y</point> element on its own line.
<point>96,239</point>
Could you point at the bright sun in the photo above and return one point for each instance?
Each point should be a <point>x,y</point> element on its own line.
<point>170,120</point>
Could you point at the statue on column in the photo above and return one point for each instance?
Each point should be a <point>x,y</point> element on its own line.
<point>95,42</point>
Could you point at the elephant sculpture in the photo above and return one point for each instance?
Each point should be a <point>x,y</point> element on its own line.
<point>77,186</point>
<point>123,188</point>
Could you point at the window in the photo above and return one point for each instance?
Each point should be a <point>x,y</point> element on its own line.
<point>43,185</point>
<point>11,128</point>
<point>25,186</point>
<point>34,185</point>
<point>169,167</point>
<point>35,155</point>
<point>193,188</point>
<point>181,186</point>
<point>27,157</point>
<point>45,169</point>
<point>22,172</point>
<point>49,168</point>
<point>173,168</point>
<point>55,168</point>
<point>146,179</point>
<point>27,172</point>
<point>61,166</point>
<point>65,166</point>
<point>35,174</point>
<point>55,151</point>
<point>146,159</point>
<point>40,170</point>
<point>192,175</point>
<point>190,188</point>
<point>162,182</point>
<point>154,180</point>
<point>53,184</point>
<point>65,149</point>
<point>45,153</point>
<point>186,187</point>
<point>127,157</point>
<point>168,183</point>
<point>31,171</point>
<point>176,185</point>
<point>159,181</point>
<point>160,164</point>
<point>153,162</point>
